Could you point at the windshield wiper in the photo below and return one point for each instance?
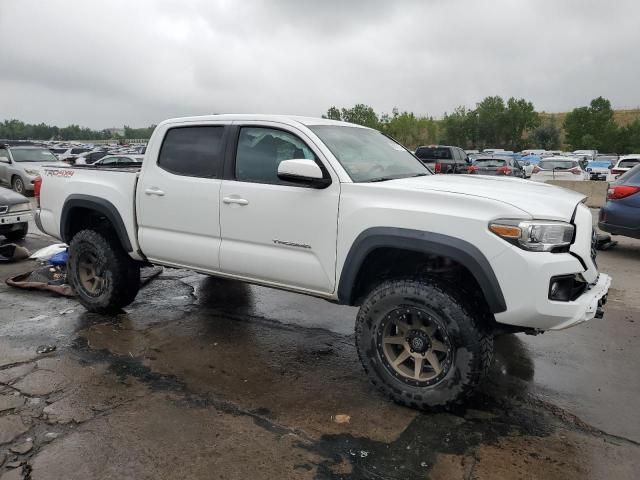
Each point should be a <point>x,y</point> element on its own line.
<point>384,179</point>
<point>380,179</point>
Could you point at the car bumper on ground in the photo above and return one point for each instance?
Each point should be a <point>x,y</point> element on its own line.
<point>7,222</point>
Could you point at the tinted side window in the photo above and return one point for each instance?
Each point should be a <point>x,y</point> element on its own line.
<point>192,151</point>
<point>433,153</point>
<point>260,151</point>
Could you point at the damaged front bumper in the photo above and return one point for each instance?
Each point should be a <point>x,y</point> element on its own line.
<point>589,305</point>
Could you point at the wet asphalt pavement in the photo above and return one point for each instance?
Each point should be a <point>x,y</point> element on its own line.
<point>204,378</point>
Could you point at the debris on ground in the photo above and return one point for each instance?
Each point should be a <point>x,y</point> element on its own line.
<point>42,349</point>
<point>44,254</point>
<point>11,252</point>
<point>50,436</point>
<point>342,418</point>
<point>49,278</point>
<point>23,448</point>
<point>604,242</point>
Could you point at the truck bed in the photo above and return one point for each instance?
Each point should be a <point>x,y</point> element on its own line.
<point>114,186</point>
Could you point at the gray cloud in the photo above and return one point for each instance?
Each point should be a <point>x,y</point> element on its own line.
<point>110,63</point>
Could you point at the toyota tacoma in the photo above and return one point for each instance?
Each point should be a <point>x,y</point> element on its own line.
<point>435,263</point>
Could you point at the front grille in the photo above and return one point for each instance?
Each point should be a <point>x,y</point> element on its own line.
<point>594,244</point>
<point>3,209</point>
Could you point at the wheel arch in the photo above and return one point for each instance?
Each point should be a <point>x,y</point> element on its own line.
<point>462,252</point>
<point>78,207</point>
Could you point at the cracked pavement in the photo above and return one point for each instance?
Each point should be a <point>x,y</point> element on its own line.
<point>207,378</point>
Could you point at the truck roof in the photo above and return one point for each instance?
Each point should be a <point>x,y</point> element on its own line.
<point>289,119</point>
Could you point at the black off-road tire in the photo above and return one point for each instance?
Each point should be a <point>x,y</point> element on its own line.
<point>466,330</point>
<point>121,274</point>
<point>16,235</point>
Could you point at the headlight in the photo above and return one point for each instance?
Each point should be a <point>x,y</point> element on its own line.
<point>29,171</point>
<point>20,207</point>
<point>535,235</point>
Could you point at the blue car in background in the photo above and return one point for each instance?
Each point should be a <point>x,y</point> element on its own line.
<point>621,213</point>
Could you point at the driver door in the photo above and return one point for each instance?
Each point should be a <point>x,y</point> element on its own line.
<point>273,231</point>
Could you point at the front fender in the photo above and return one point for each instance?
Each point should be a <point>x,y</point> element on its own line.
<point>465,253</point>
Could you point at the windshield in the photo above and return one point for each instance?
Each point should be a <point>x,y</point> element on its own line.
<point>33,155</point>
<point>490,162</point>
<point>557,164</point>
<point>367,155</point>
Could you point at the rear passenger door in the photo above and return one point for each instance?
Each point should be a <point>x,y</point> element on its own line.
<point>178,197</point>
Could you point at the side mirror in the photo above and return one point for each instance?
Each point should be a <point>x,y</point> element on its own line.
<point>610,167</point>
<point>527,163</point>
<point>4,160</point>
<point>302,171</point>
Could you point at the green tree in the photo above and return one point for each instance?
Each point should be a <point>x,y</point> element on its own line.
<point>491,122</point>
<point>546,136</point>
<point>333,113</point>
<point>519,117</point>
<point>360,114</point>
<point>592,127</point>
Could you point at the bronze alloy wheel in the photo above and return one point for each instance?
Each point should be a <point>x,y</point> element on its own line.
<point>91,274</point>
<point>414,346</point>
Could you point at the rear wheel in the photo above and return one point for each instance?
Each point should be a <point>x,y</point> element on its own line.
<point>19,234</point>
<point>103,276</point>
<point>421,344</point>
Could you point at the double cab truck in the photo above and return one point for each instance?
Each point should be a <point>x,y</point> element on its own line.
<point>435,263</point>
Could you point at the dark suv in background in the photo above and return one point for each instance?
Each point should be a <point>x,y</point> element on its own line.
<point>444,158</point>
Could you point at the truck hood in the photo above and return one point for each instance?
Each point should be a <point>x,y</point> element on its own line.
<point>540,200</point>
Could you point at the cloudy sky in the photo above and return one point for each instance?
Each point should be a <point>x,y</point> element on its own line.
<point>107,63</point>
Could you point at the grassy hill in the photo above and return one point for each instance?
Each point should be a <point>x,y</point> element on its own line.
<point>621,117</point>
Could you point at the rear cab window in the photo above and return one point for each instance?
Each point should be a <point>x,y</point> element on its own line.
<point>193,151</point>
<point>434,153</point>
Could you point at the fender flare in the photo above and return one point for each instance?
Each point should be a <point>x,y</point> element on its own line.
<point>97,204</point>
<point>463,252</point>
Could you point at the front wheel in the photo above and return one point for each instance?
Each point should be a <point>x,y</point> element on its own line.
<point>421,345</point>
<point>18,185</point>
<point>101,273</point>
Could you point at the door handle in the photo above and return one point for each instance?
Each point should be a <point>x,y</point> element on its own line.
<point>154,191</point>
<point>237,201</point>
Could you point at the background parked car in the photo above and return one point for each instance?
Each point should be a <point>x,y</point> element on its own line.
<point>497,166</point>
<point>443,158</point>
<point>558,168</point>
<point>120,160</point>
<point>590,154</point>
<point>72,153</point>
<point>621,213</point>
<point>15,213</point>
<point>623,165</point>
<point>599,169</point>
<point>87,158</point>
<point>19,166</point>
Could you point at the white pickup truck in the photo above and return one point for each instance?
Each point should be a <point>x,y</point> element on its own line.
<point>438,264</point>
